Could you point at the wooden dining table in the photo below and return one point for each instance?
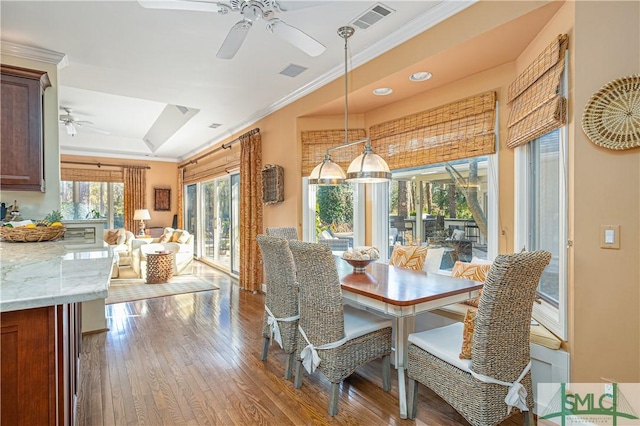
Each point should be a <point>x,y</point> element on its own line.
<point>402,293</point>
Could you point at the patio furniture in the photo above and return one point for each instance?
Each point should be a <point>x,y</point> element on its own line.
<point>498,370</point>
<point>334,338</point>
<point>288,233</point>
<point>281,304</point>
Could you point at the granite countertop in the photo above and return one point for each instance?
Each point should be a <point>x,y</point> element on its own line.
<point>34,275</point>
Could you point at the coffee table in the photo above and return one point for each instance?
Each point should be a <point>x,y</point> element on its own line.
<point>159,267</point>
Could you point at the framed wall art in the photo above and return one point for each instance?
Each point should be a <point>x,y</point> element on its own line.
<point>162,199</point>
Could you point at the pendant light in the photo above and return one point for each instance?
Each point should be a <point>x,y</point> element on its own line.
<point>368,167</point>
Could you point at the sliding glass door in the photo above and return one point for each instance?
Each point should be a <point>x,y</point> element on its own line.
<point>191,213</point>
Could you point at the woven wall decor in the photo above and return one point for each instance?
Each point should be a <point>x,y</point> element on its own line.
<point>272,184</point>
<point>611,118</point>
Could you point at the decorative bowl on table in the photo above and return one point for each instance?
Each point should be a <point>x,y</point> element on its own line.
<point>361,257</point>
<point>359,266</point>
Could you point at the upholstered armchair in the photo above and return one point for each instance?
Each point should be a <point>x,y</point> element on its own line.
<point>119,240</point>
<point>179,241</point>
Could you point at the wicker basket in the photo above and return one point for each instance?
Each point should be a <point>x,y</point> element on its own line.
<point>31,235</point>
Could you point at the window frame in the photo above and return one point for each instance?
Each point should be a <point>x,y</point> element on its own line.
<point>110,209</point>
<point>553,318</point>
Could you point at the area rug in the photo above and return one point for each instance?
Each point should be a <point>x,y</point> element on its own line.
<point>128,290</point>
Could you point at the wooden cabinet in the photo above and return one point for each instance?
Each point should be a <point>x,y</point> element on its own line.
<point>40,351</point>
<point>21,135</point>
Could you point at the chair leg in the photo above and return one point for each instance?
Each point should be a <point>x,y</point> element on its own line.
<point>291,359</point>
<point>297,381</point>
<point>527,418</point>
<point>412,399</point>
<point>265,347</point>
<point>386,373</point>
<point>333,399</point>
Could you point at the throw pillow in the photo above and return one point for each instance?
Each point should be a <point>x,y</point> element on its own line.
<point>184,237</point>
<point>471,271</point>
<point>122,236</point>
<point>176,236</point>
<point>467,334</point>
<point>410,257</point>
<point>166,236</point>
<point>112,238</point>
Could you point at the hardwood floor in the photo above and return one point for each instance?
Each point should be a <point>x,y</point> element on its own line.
<point>194,359</point>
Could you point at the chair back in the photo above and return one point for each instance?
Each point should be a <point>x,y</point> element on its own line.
<point>321,304</point>
<point>501,335</point>
<point>288,233</point>
<point>282,291</point>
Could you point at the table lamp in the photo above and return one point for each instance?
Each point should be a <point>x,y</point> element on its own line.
<point>141,215</point>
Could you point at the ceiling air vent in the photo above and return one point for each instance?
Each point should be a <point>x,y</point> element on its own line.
<point>371,16</point>
<point>215,125</point>
<point>293,70</point>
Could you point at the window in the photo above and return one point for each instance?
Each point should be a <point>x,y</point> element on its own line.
<point>541,220</point>
<point>93,200</point>
<point>449,205</point>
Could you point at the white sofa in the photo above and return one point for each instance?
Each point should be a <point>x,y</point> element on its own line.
<point>179,241</point>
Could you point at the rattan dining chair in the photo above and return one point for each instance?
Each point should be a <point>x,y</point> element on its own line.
<point>281,302</point>
<point>499,369</point>
<point>288,233</point>
<point>334,338</point>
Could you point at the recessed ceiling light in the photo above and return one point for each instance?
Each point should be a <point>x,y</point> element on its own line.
<point>420,76</point>
<point>383,91</point>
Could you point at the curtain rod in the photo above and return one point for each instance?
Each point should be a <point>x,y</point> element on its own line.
<point>105,164</point>
<point>223,146</point>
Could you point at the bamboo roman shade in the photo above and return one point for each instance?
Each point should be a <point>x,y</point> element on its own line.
<point>90,175</point>
<point>316,142</point>
<point>461,129</point>
<point>215,165</point>
<point>536,106</point>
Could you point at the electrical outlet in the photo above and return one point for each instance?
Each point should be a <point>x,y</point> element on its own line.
<point>608,388</point>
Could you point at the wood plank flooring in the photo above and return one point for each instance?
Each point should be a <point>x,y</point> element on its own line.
<point>194,359</point>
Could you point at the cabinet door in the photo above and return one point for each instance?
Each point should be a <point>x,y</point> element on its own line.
<point>21,136</point>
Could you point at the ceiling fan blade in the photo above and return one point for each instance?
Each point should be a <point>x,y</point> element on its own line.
<point>284,5</point>
<point>234,40</point>
<point>296,37</point>
<point>201,6</point>
<point>90,125</point>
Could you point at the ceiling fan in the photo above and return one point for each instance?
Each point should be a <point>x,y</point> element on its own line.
<point>72,125</point>
<point>251,11</point>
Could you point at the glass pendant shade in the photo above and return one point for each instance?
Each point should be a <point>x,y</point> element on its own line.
<point>368,167</point>
<point>327,173</point>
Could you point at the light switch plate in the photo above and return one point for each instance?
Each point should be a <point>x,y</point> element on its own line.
<point>610,236</point>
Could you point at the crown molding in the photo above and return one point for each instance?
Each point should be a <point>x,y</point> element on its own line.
<point>89,152</point>
<point>34,53</point>
<point>435,15</point>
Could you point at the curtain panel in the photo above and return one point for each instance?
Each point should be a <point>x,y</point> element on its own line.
<point>461,129</point>
<point>90,175</point>
<point>536,106</point>
<point>316,142</point>
<point>250,210</point>
<point>135,184</point>
<point>180,213</point>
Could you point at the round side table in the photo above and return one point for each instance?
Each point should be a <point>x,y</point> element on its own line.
<point>159,267</point>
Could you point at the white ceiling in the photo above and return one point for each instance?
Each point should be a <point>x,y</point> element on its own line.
<point>127,63</point>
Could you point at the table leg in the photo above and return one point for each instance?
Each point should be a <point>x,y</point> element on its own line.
<point>404,326</point>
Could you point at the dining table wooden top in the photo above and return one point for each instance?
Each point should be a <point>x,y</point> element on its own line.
<point>401,286</point>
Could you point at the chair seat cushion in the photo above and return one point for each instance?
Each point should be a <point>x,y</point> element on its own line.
<point>358,322</point>
<point>544,337</point>
<point>444,343</point>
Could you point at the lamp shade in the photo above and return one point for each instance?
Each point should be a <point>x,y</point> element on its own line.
<point>327,173</point>
<point>368,167</point>
<point>142,214</point>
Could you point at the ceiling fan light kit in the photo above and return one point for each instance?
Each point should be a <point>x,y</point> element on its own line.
<point>251,11</point>
<point>71,124</point>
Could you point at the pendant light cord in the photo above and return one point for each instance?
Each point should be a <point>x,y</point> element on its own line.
<point>346,32</point>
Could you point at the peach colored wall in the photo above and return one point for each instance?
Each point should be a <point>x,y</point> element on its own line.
<point>160,175</point>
